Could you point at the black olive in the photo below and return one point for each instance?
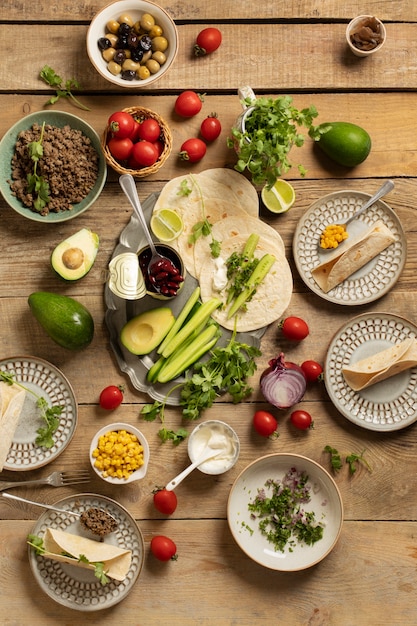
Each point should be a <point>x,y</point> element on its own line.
<point>145,43</point>
<point>104,43</point>
<point>136,55</point>
<point>119,57</point>
<point>124,29</point>
<point>123,41</point>
<point>128,74</point>
<point>132,40</point>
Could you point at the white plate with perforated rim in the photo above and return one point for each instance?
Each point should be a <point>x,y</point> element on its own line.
<point>388,405</point>
<point>375,278</point>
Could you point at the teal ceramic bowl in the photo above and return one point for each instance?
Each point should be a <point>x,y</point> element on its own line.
<point>7,148</point>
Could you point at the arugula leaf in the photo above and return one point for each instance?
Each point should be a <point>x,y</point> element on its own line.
<point>353,459</point>
<point>63,90</point>
<point>335,460</point>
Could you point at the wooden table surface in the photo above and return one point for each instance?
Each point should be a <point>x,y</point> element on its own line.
<point>299,48</point>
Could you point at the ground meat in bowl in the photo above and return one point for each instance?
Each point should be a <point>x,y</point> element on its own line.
<point>69,164</point>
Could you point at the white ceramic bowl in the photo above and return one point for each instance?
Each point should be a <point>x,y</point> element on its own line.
<point>218,434</point>
<point>135,8</point>
<point>138,474</point>
<point>325,502</point>
<point>352,26</point>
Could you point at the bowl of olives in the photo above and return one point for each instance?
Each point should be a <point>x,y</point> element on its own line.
<point>132,44</point>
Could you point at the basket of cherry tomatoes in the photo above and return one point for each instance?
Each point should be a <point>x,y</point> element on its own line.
<point>136,141</point>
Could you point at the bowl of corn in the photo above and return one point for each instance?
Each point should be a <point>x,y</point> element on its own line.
<point>119,453</point>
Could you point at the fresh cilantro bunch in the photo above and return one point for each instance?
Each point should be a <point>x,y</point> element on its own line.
<point>38,185</point>
<point>63,90</point>
<point>271,130</point>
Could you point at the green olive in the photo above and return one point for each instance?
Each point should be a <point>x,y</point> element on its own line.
<point>155,31</point>
<point>108,54</point>
<point>113,26</point>
<point>159,57</point>
<point>114,68</point>
<point>153,66</point>
<point>143,73</point>
<point>125,18</point>
<point>159,44</point>
<point>112,38</point>
<point>147,55</point>
<point>130,65</point>
<point>147,21</point>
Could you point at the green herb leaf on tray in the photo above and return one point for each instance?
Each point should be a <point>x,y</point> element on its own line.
<point>63,90</point>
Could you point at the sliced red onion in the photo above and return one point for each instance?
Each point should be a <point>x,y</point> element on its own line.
<point>283,384</point>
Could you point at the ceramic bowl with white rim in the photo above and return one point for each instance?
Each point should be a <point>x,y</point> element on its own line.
<point>116,427</point>
<point>324,507</point>
<point>134,10</point>
<point>364,47</point>
<point>222,439</point>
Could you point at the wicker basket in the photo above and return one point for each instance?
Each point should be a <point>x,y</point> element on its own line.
<point>141,113</point>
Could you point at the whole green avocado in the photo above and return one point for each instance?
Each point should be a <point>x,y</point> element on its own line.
<point>345,143</point>
<point>65,320</point>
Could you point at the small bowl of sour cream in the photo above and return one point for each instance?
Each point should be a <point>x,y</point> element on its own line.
<point>222,439</point>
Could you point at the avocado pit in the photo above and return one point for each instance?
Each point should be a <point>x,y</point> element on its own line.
<point>73,258</point>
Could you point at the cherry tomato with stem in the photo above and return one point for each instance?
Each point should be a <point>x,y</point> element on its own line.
<point>144,154</point>
<point>121,124</point>
<point>211,127</point>
<point>163,548</point>
<point>120,149</point>
<point>208,40</point>
<point>111,397</point>
<point>265,424</point>
<point>149,130</point>
<point>312,370</point>
<point>294,328</point>
<point>193,150</point>
<point>165,501</point>
<point>301,420</point>
<point>188,104</point>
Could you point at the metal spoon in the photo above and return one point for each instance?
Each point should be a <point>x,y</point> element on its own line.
<point>386,188</point>
<point>107,525</point>
<point>204,456</point>
<point>127,183</point>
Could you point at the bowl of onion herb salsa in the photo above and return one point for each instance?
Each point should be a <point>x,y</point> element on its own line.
<point>285,512</point>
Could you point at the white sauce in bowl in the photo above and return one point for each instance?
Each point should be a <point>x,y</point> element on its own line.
<point>220,438</point>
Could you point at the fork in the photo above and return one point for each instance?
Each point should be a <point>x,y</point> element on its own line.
<point>56,479</point>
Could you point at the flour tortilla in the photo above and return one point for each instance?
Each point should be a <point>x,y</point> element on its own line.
<point>116,560</point>
<point>382,365</point>
<point>339,265</point>
<point>237,184</point>
<point>12,398</point>
<point>272,296</point>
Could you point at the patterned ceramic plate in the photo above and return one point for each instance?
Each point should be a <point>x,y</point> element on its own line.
<point>45,380</point>
<point>373,280</point>
<point>78,588</point>
<point>388,405</point>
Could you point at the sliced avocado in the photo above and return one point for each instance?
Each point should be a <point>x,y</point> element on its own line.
<point>73,258</point>
<point>143,333</point>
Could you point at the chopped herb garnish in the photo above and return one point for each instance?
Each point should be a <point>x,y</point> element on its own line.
<point>335,460</point>
<point>38,186</point>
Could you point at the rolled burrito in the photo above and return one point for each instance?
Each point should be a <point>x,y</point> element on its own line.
<point>12,398</point>
<point>67,548</point>
<point>354,254</point>
<point>382,365</point>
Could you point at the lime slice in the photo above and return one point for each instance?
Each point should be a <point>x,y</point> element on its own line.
<point>279,198</point>
<point>166,224</point>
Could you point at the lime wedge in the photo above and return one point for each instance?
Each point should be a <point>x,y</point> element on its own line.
<point>279,198</point>
<point>166,224</point>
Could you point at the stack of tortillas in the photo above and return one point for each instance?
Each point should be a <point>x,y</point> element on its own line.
<point>229,202</point>
<point>12,398</point>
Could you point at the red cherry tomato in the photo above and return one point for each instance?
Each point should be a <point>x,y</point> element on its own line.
<point>159,145</point>
<point>111,397</point>
<point>210,128</point>
<point>120,149</point>
<point>265,424</point>
<point>208,40</point>
<point>188,104</point>
<point>144,154</point>
<point>121,124</point>
<point>165,501</point>
<point>294,328</point>
<point>193,150</point>
<point>149,130</point>
<point>301,420</point>
<point>312,370</point>
<point>163,548</point>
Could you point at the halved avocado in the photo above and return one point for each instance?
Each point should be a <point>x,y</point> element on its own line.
<point>143,333</point>
<point>73,258</point>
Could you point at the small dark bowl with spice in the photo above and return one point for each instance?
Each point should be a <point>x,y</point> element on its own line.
<point>82,165</point>
<point>166,281</point>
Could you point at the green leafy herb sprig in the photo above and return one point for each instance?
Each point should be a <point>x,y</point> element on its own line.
<point>202,228</point>
<point>271,130</point>
<point>63,90</point>
<point>37,544</point>
<point>50,414</point>
<point>157,410</point>
<point>38,185</point>
<point>352,460</point>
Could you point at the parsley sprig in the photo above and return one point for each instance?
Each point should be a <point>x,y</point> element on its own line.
<point>63,90</point>
<point>352,460</point>
<point>202,228</point>
<point>150,412</point>
<point>38,185</point>
<point>49,414</point>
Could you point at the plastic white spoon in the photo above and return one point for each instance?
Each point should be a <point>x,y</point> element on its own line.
<point>208,453</point>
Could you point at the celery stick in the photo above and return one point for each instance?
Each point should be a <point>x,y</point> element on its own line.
<point>155,369</point>
<point>247,257</point>
<point>203,314</point>
<point>182,316</point>
<point>195,350</point>
<point>257,276</point>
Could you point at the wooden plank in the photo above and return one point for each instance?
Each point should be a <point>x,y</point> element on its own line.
<point>299,66</point>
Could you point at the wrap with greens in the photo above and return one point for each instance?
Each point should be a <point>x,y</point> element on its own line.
<point>354,254</point>
<point>68,548</point>
<point>12,398</point>
<point>382,365</point>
